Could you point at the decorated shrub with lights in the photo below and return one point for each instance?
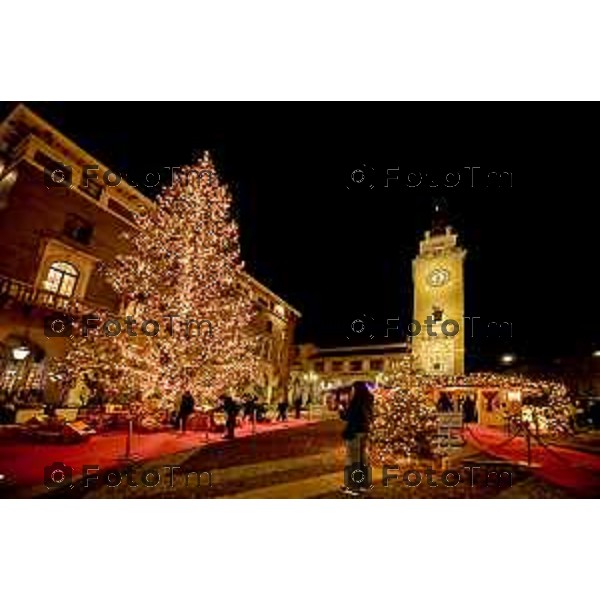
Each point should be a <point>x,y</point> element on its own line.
<point>404,421</point>
<point>405,416</point>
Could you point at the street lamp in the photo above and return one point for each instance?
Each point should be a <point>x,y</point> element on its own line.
<point>596,354</point>
<point>20,352</point>
<point>508,359</point>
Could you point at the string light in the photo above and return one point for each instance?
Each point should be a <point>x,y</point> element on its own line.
<point>183,260</point>
<point>405,415</point>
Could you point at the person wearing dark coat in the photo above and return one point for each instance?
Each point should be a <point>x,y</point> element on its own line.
<point>249,409</point>
<point>358,415</point>
<point>186,408</point>
<point>282,409</point>
<point>444,403</point>
<point>231,411</point>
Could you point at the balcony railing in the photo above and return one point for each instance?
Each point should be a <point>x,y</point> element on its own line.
<point>25,293</point>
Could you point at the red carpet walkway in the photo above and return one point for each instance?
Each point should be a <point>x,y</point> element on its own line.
<point>572,469</point>
<point>22,463</point>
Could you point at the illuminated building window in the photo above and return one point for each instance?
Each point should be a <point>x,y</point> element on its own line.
<point>356,365</point>
<point>61,279</point>
<point>377,365</point>
<point>337,365</point>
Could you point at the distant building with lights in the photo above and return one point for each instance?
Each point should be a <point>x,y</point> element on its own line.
<point>52,240</point>
<point>316,370</point>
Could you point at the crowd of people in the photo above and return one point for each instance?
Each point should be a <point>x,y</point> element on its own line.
<point>237,412</point>
<point>464,404</point>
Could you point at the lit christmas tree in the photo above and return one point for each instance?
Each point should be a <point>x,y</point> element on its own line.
<point>112,367</point>
<point>182,272</point>
<point>404,421</point>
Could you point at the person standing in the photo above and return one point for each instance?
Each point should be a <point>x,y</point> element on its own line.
<point>186,408</point>
<point>444,403</point>
<point>249,409</point>
<point>358,416</point>
<point>282,409</point>
<point>231,411</point>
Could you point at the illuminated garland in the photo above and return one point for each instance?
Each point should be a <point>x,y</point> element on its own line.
<point>405,417</point>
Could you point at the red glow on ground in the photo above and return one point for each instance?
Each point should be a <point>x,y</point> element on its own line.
<point>571,469</point>
<point>23,463</point>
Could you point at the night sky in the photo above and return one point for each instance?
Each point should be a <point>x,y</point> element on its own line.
<point>337,249</point>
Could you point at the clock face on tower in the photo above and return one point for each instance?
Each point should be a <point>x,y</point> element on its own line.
<point>438,277</point>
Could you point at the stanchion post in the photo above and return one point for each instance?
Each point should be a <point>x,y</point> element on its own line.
<point>128,440</point>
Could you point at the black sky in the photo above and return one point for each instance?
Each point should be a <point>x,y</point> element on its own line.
<point>337,253</point>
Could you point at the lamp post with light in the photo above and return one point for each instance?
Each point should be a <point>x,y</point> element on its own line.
<point>20,355</point>
<point>508,359</point>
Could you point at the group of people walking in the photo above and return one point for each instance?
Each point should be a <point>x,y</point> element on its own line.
<point>252,411</point>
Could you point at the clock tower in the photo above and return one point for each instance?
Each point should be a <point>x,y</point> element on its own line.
<point>439,345</point>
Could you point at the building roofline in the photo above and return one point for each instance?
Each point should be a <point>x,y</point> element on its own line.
<point>22,113</point>
<point>26,115</point>
<point>271,293</point>
<point>371,347</point>
<point>350,351</point>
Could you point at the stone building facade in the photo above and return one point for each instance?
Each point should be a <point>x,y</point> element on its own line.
<point>316,370</point>
<point>439,297</point>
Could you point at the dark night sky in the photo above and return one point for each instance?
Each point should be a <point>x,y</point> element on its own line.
<point>337,253</point>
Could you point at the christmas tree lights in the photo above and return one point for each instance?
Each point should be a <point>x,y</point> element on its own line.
<point>181,271</point>
<point>405,416</point>
<point>404,421</point>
